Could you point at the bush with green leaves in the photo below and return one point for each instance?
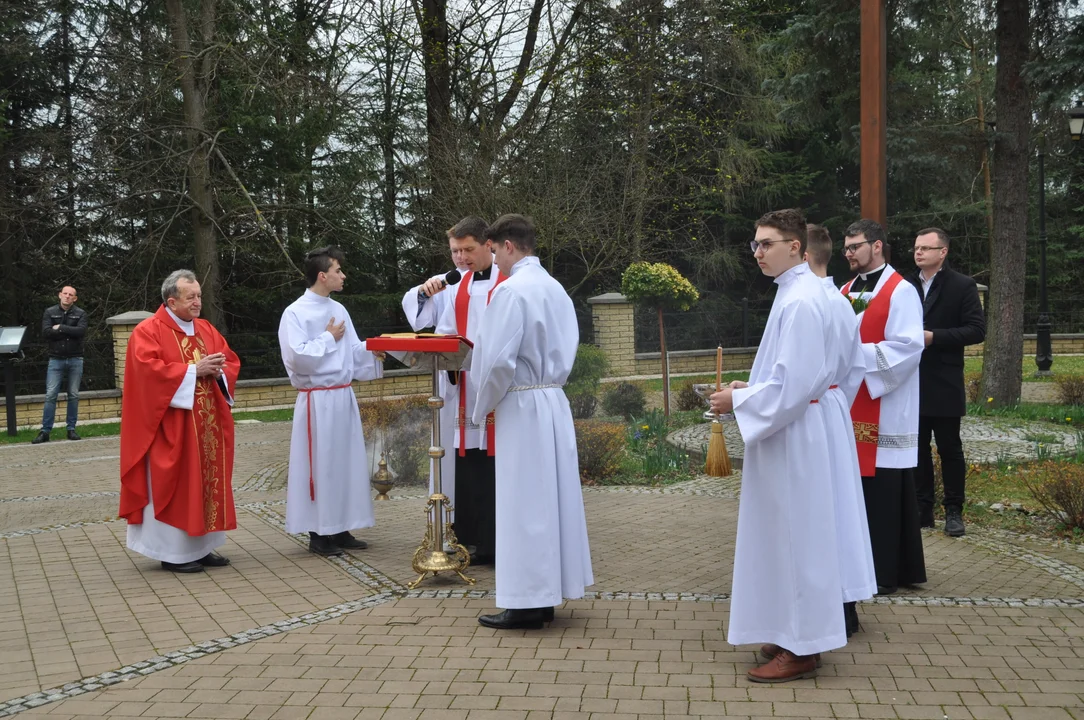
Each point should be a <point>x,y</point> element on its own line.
<point>660,287</point>
<point>584,381</point>
<point>624,400</point>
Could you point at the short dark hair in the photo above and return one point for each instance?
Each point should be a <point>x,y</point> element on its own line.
<point>319,260</point>
<point>942,236</point>
<point>870,228</point>
<point>790,223</point>
<point>517,229</point>
<point>818,245</point>
<point>470,226</point>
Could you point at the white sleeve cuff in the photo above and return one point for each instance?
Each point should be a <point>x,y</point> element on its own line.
<point>185,397</point>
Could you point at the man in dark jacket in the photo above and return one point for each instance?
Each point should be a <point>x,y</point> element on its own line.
<point>63,325</point>
<point>953,318</point>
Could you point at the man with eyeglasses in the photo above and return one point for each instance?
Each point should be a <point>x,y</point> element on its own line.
<point>953,318</point>
<point>885,411</point>
<point>787,590</point>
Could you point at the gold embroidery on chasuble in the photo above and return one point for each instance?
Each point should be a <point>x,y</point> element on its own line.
<point>208,433</point>
<point>865,432</point>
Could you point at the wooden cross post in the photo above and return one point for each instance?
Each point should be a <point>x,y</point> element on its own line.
<point>873,108</point>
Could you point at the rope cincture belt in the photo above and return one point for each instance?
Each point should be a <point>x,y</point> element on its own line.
<point>830,387</point>
<point>521,388</point>
<point>308,421</point>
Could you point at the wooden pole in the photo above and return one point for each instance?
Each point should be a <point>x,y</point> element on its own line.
<point>874,111</point>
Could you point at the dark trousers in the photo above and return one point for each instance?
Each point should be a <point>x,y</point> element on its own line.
<point>476,501</point>
<point>893,527</point>
<point>953,467</point>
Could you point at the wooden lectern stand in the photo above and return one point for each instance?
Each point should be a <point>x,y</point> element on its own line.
<point>441,352</point>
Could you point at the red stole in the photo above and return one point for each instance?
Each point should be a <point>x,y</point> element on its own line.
<point>462,312</point>
<point>866,411</point>
<point>190,452</point>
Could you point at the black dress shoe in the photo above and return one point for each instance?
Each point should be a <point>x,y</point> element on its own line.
<point>527,619</point>
<point>40,438</point>
<point>479,559</point>
<point>322,545</point>
<point>72,435</point>
<point>213,559</point>
<point>954,523</point>
<point>188,567</point>
<point>887,589</point>
<point>346,541</point>
<point>850,618</point>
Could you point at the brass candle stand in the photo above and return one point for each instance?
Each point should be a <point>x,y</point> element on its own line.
<point>430,556</point>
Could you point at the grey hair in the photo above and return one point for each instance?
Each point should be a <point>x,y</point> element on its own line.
<point>169,285</point>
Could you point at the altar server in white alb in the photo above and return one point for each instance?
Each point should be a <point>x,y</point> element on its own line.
<point>852,529</point>
<point>328,488</point>
<point>521,360</point>
<point>787,584</point>
<point>885,411</point>
<point>467,472</point>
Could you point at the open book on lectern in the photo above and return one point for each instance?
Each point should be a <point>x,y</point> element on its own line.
<point>452,352</point>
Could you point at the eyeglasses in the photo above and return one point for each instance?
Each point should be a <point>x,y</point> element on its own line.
<point>853,247</point>
<point>928,248</point>
<point>764,244</point>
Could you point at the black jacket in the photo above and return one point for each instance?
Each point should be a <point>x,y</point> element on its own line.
<point>952,311</point>
<point>67,340</point>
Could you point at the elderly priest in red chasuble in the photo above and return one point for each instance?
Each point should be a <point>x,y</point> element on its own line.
<point>176,435</point>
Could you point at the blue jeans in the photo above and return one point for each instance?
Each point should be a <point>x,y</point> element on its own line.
<point>54,375</point>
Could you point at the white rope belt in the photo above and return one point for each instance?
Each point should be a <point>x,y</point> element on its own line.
<point>521,388</point>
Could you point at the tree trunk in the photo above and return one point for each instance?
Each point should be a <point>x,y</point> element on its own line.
<point>433,22</point>
<point>1003,352</point>
<point>665,368</point>
<point>69,133</point>
<point>199,166</point>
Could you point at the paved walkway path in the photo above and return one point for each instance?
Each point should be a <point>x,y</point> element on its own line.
<point>88,629</point>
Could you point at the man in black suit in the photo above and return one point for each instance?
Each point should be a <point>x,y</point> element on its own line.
<point>953,318</point>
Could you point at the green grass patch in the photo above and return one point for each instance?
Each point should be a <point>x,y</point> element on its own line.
<point>1068,365</point>
<point>676,383</point>
<point>113,428</point>
<point>1037,412</point>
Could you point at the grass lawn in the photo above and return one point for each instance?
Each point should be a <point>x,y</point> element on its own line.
<point>1063,365</point>
<point>108,429</point>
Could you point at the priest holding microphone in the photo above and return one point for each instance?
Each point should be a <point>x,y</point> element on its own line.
<point>455,304</point>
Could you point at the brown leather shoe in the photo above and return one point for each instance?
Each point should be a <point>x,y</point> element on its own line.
<point>784,667</point>
<point>770,650</point>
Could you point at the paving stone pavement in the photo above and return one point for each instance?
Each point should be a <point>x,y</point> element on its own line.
<point>88,629</point>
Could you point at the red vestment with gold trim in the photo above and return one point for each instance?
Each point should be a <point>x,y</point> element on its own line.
<point>190,452</point>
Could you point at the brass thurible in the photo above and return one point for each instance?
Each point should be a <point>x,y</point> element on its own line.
<point>430,556</point>
<point>382,480</point>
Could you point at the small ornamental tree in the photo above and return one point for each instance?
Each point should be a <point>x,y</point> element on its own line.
<point>660,287</point>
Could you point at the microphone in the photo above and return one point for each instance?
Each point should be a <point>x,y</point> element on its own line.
<point>452,278</point>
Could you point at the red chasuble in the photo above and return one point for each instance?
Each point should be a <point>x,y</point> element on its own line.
<point>190,451</point>
<point>462,311</point>
<point>866,411</point>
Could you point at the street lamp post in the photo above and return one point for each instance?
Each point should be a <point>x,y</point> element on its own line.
<point>1044,355</point>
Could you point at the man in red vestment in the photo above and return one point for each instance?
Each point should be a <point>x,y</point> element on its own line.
<point>176,433</point>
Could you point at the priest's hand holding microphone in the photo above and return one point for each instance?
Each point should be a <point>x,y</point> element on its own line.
<point>723,401</point>
<point>435,284</point>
